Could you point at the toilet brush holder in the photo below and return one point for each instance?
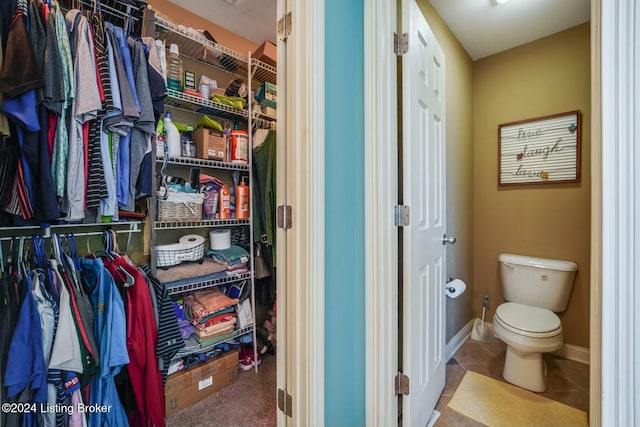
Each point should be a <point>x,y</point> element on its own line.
<point>481,330</point>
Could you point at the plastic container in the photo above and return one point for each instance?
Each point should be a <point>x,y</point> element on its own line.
<point>171,136</point>
<point>242,200</point>
<point>225,202</point>
<point>239,146</point>
<point>174,68</point>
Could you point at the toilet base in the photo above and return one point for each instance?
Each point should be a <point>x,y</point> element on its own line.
<point>526,370</point>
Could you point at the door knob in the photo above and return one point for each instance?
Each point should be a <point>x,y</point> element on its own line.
<point>450,239</point>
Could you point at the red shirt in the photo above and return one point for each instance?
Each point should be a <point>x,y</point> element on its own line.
<point>146,378</point>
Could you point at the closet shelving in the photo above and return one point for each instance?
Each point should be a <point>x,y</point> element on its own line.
<point>197,48</point>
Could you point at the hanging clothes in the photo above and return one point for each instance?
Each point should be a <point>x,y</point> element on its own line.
<point>143,371</point>
<point>85,108</point>
<point>110,330</point>
<point>140,185</point>
<point>61,136</point>
<point>27,377</point>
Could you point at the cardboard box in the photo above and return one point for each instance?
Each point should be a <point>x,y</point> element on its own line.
<point>266,53</point>
<point>210,144</point>
<point>186,387</point>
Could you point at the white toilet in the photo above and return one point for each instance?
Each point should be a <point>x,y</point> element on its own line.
<point>534,288</point>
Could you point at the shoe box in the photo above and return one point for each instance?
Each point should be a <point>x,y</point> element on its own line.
<point>186,387</point>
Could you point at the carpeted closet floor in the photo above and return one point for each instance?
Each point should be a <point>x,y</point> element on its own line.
<point>250,402</point>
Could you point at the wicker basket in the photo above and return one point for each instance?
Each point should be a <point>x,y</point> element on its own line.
<point>180,206</point>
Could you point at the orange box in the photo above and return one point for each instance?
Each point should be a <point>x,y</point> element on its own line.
<point>186,387</point>
<point>210,144</point>
<point>266,53</point>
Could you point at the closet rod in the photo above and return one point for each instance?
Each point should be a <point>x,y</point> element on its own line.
<point>110,10</point>
<point>84,234</point>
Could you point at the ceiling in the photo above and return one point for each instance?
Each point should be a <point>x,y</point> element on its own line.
<point>254,20</point>
<point>482,28</point>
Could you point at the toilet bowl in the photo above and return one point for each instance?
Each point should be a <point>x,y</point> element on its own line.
<point>528,332</point>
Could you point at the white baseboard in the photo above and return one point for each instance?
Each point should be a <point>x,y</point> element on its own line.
<point>454,343</point>
<point>573,352</point>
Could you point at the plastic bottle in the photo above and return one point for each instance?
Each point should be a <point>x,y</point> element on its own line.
<point>174,69</point>
<point>171,136</point>
<point>225,202</point>
<point>242,200</point>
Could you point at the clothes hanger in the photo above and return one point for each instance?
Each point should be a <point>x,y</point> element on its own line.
<point>89,254</point>
<point>1,261</point>
<point>21,269</point>
<point>73,250</point>
<point>107,246</point>
<point>39,248</point>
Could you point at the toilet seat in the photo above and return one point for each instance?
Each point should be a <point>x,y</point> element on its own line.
<point>528,321</point>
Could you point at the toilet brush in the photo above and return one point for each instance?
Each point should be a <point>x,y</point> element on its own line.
<point>481,331</point>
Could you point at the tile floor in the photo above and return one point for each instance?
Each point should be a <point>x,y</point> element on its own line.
<point>567,381</point>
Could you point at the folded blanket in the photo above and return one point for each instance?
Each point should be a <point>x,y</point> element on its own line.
<point>233,256</point>
<point>217,329</point>
<point>207,342</point>
<point>212,320</point>
<point>193,309</point>
<point>213,300</point>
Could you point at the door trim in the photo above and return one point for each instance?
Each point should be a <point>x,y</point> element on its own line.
<point>304,160</point>
<point>619,186</point>
<point>381,236</point>
<point>595,342</point>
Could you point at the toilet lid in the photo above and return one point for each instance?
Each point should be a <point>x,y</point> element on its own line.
<point>527,320</point>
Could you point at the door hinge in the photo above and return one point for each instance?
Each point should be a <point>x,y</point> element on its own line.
<point>402,384</point>
<point>285,402</point>
<point>400,43</point>
<point>284,27</point>
<point>401,215</point>
<point>283,216</point>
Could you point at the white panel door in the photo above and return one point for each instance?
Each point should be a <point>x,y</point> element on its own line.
<point>423,174</point>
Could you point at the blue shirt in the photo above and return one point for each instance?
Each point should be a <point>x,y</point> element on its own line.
<point>110,330</point>
<point>25,361</point>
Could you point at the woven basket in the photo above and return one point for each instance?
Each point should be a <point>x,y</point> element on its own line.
<point>181,206</point>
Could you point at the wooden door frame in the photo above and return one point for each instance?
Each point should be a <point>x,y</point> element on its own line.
<point>301,86</point>
<point>381,194</point>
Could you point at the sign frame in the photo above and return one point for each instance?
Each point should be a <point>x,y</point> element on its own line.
<point>542,150</point>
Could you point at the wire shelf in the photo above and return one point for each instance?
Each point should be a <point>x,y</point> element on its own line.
<point>212,164</point>
<point>196,104</point>
<point>263,72</point>
<point>195,45</point>
<point>167,225</point>
<point>197,285</point>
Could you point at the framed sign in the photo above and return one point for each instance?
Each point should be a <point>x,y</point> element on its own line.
<point>543,150</point>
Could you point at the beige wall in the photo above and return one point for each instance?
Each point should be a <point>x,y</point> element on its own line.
<point>458,92</point>
<point>178,15</point>
<point>548,76</point>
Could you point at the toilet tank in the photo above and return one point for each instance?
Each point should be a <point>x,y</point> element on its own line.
<point>539,282</point>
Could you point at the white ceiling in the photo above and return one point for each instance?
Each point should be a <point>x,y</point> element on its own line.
<point>482,28</point>
<point>254,20</point>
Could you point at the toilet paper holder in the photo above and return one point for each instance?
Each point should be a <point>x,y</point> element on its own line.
<point>455,287</point>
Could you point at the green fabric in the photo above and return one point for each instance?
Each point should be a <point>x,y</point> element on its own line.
<point>207,342</point>
<point>209,123</point>
<point>264,157</point>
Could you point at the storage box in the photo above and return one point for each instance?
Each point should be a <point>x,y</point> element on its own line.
<point>268,103</point>
<point>186,387</point>
<point>267,91</point>
<point>266,53</point>
<point>210,144</point>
